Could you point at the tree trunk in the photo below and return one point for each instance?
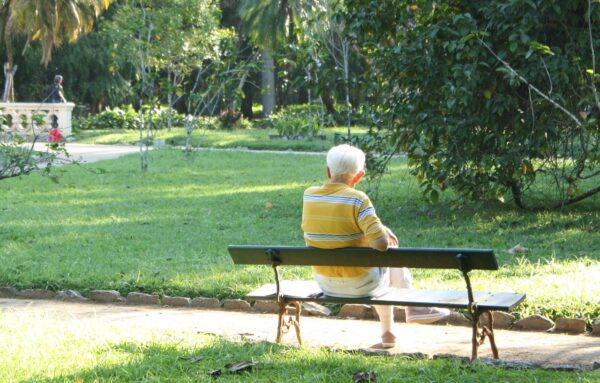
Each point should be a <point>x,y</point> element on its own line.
<point>9,89</point>
<point>347,89</point>
<point>9,68</point>
<point>268,84</point>
<point>143,156</point>
<point>170,112</point>
<point>328,100</point>
<point>170,103</point>
<point>517,194</point>
<point>247,100</point>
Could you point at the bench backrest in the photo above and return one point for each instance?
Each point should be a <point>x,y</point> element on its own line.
<point>472,259</point>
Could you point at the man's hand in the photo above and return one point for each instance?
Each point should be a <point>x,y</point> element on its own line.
<point>381,243</point>
<point>392,239</point>
<point>385,242</point>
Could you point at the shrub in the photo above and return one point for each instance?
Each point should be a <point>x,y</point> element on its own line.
<point>111,118</point>
<point>229,117</point>
<point>127,118</point>
<point>296,121</point>
<point>160,117</point>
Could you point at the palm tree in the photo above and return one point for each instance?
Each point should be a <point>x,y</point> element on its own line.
<point>269,24</point>
<point>49,21</point>
<point>7,32</point>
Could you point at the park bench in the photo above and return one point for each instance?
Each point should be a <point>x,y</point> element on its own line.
<point>293,293</point>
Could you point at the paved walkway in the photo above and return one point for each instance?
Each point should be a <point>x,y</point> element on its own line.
<point>87,153</point>
<point>548,350</point>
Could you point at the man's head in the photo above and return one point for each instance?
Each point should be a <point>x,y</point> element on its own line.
<point>58,78</point>
<point>346,164</point>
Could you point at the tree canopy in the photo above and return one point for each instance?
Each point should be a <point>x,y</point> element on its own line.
<point>488,97</point>
<point>50,21</point>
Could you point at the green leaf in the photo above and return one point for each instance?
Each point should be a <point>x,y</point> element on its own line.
<point>541,48</point>
<point>434,196</point>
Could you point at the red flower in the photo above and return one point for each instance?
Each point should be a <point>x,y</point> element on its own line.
<point>54,135</point>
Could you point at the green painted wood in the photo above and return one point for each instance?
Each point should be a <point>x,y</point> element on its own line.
<point>475,259</point>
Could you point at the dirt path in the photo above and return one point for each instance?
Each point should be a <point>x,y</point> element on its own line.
<point>548,350</point>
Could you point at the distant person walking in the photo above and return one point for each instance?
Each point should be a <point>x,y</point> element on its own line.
<point>54,92</point>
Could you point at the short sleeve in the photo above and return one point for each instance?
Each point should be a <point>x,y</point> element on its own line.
<point>369,222</point>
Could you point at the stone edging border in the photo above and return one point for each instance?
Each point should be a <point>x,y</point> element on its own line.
<point>500,363</point>
<point>502,320</point>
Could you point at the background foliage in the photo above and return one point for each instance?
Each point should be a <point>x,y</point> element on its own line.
<point>488,97</point>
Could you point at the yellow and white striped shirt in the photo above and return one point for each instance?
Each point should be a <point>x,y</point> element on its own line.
<point>336,215</point>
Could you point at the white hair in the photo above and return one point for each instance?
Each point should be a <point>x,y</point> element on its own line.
<point>345,160</point>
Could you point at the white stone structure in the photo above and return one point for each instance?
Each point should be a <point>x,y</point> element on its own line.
<point>20,119</point>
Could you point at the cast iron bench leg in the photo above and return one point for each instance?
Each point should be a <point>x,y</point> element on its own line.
<point>478,337</point>
<point>282,326</point>
<point>489,331</point>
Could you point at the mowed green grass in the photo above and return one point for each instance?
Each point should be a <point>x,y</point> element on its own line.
<point>166,231</point>
<point>45,348</point>
<point>254,138</point>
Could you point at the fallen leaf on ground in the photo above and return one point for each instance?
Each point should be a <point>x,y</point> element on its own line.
<point>240,366</point>
<point>248,336</point>
<point>362,377</point>
<point>214,373</point>
<point>270,205</point>
<point>517,249</point>
<point>192,359</point>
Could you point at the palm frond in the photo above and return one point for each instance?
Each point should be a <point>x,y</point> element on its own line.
<point>51,21</point>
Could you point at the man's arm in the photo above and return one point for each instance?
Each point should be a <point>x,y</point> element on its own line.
<point>61,97</point>
<point>383,243</point>
<point>380,243</point>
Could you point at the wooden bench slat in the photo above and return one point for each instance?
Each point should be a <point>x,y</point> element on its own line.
<point>450,299</point>
<point>480,259</point>
<point>309,291</point>
<point>293,289</point>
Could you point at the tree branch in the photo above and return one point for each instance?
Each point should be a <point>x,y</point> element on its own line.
<point>589,19</point>
<point>580,197</point>
<point>530,85</point>
<point>548,75</point>
<point>588,176</point>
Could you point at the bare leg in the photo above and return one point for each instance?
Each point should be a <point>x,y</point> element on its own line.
<point>386,320</point>
<point>386,317</point>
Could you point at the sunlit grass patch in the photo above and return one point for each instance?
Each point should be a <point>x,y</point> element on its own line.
<point>166,231</point>
<point>47,348</point>
<point>254,138</point>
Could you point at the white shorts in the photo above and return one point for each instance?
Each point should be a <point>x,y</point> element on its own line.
<point>374,283</point>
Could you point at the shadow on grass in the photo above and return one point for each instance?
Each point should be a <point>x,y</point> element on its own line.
<point>155,362</point>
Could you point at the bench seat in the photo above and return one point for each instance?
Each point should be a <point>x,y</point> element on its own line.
<point>292,293</point>
<point>309,291</point>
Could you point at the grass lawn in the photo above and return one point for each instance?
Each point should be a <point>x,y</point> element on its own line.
<point>166,231</point>
<point>255,138</point>
<point>46,349</point>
